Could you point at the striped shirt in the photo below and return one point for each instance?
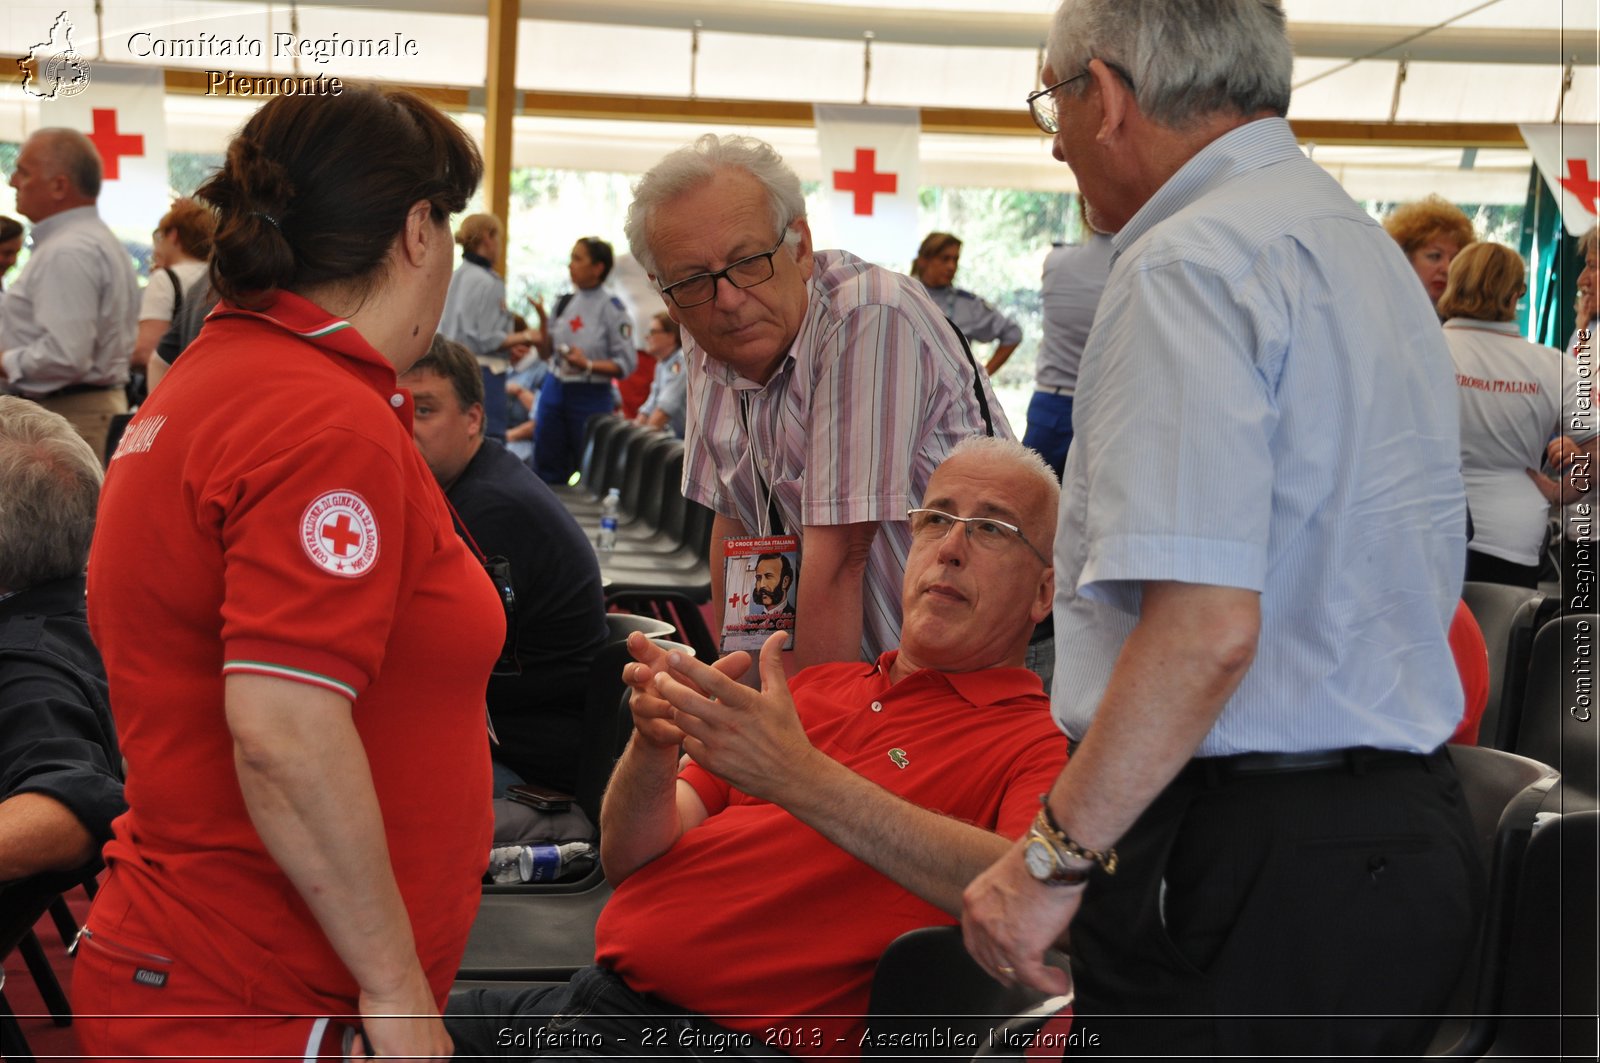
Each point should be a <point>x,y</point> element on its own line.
<point>874,392</point>
<point>1267,403</point>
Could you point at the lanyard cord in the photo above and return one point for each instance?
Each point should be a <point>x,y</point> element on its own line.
<point>763,488</point>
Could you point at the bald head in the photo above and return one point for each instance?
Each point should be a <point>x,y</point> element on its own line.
<point>58,169</point>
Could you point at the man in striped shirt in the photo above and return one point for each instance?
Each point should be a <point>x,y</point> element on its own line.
<point>823,390</point>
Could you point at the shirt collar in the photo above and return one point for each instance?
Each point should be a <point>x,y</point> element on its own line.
<point>1507,328</point>
<point>333,336</point>
<point>43,230</point>
<point>477,260</point>
<point>724,374</point>
<point>1252,146</point>
<point>986,686</point>
<point>57,597</point>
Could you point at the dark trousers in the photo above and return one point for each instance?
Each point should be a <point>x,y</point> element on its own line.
<point>1483,568</point>
<point>560,419</point>
<point>1050,428</point>
<point>595,1014</point>
<point>1322,912</point>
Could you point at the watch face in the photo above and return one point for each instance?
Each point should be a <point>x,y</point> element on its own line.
<point>1040,860</point>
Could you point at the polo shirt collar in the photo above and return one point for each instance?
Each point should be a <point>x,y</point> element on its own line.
<point>333,336</point>
<point>1252,146</point>
<point>986,686</point>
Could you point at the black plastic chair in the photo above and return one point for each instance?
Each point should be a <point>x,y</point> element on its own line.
<point>22,904</point>
<point>533,937</point>
<point>595,467</point>
<point>1504,793</point>
<point>1548,1009</point>
<point>927,985</point>
<point>1509,617</point>
<point>1560,685</point>
<point>627,442</point>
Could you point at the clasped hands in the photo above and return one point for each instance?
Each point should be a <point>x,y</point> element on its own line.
<point>753,739</point>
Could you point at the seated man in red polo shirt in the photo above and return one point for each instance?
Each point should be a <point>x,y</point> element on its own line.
<point>812,822</point>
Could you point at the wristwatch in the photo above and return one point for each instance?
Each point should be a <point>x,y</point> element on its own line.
<point>1048,849</point>
<point>1045,861</point>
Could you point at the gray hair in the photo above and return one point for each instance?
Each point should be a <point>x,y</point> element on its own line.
<point>1187,59</point>
<point>1589,242</point>
<point>73,154</point>
<point>694,164</point>
<point>995,451</point>
<point>49,488</point>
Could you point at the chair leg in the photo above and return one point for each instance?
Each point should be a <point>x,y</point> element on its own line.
<point>66,926</point>
<point>13,1045</point>
<point>50,991</point>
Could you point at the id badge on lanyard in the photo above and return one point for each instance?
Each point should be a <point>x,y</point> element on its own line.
<point>761,578</point>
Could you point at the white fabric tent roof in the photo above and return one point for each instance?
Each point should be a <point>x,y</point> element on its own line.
<point>1501,61</point>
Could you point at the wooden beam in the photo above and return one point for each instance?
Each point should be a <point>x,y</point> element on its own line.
<point>988,122</point>
<point>501,107</point>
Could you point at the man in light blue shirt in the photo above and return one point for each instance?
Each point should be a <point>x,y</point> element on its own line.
<point>69,323</point>
<point>1259,551</point>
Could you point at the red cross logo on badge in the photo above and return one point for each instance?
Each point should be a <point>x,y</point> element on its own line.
<point>340,534</point>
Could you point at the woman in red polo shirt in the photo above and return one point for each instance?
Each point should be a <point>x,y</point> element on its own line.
<point>298,643</point>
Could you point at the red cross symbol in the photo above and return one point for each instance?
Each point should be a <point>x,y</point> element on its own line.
<point>112,145</point>
<point>1580,184</point>
<point>735,598</point>
<point>864,181</point>
<point>340,536</point>
<point>577,323</point>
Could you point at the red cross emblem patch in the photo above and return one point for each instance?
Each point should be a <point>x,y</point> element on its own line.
<point>340,534</point>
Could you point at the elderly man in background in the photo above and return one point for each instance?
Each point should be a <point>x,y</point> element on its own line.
<point>823,390</point>
<point>854,801</point>
<point>69,324</point>
<point>59,780</point>
<point>1259,552</point>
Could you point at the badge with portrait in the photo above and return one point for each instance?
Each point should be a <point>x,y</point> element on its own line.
<point>761,578</point>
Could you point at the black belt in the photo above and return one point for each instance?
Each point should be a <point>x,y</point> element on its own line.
<point>76,389</point>
<point>1356,761</point>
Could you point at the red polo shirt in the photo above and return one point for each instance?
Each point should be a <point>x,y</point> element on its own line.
<point>752,916</point>
<point>267,512</point>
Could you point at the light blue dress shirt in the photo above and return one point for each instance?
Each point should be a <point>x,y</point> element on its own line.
<point>475,314</point>
<point>1267,403</point>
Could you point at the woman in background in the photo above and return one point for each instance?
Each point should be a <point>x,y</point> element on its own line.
<point>308,784</point>
<point>935,266</point>
<point>180,253</point>
<point>1431,232</point>
<point>1513,398</point>
<point>476,317</point>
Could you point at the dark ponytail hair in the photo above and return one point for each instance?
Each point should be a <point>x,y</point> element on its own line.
<point>315,188</point>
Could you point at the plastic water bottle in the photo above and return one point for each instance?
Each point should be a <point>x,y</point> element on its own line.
<point>540,863</point>
<point>609,510</point>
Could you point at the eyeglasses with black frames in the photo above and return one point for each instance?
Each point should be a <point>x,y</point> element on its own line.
<point>931,525</point>
<point>745,273</point>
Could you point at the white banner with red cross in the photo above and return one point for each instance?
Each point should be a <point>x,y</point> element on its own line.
<point>869,179</point>
<point>122,111</point>
<point>1568,157</point>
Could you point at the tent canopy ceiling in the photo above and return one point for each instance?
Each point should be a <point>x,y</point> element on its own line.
<point>1435,64</point>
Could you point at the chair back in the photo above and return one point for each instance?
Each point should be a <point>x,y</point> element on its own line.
<point>1558,724</point>
<point>1014,1038</point>
<point>1547,1010</point>
<point>1507,617</point>
<point>926,983</point>
<point>604,731</point>
<point>1503,793</point>
<point>599,433</point>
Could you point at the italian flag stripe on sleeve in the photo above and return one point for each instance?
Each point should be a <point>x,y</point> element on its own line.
<point>281,671</point>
